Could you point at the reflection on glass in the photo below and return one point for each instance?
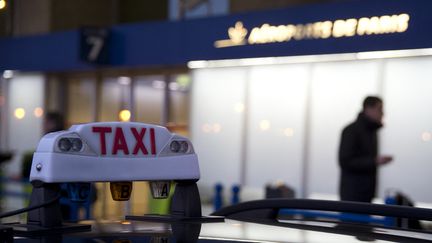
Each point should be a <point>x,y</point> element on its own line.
<point>217,128</point>
<point>124,80</point>
<point>174,86</point>
<point>158,84</point>
<point>426,136</point>
<point>289,132</point>
<point>264,125</point>
<point>38,112</point>
<point>211,128</point>
<point>206,128</point>
<point>239,107</point>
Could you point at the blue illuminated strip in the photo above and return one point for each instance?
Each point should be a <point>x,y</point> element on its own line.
<point>339,216</point>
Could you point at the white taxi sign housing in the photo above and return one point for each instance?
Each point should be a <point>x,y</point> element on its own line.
<point>114,151</point>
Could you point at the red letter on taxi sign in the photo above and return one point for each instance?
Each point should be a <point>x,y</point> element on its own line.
<point>139,140</point>
<point>102,131</point>
<point>119,142</point>
<point>152,141</point>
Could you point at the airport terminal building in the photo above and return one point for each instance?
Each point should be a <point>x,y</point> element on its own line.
<point>262,95</point>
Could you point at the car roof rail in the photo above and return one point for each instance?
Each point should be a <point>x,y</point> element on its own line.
<point>268,208</point>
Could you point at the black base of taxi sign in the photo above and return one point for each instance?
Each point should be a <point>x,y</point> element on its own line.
<point>46,220</point>
<point>185,207</point>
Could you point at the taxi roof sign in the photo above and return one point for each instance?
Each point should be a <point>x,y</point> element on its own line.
<point>114,151</point>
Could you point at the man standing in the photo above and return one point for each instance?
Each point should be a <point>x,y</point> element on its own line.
<point>358,153</point>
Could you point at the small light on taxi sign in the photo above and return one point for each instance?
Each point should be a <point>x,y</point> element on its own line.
<point>175,146</point>
<point>76,144</point>
<point>184,146</point>
<point>78,192</point>
<point>121,191</point>
<point>64,145</point>
<point>70,144</point>
<point>160,189</point>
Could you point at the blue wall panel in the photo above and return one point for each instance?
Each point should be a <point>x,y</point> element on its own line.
<point>174,43</point>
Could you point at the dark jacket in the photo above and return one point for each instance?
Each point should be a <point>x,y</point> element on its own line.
<point>357,154</point>
<point>5,157</point>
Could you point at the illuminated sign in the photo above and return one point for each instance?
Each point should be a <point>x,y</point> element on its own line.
<point>120,143</point>
<point>386,24</point>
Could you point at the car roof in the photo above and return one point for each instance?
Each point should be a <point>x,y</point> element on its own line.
<point>239,231</point>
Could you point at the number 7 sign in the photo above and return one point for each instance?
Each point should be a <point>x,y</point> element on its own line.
<point>94,45</point>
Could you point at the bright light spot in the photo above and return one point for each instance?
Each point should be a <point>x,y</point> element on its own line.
<point>2,4</point>
<point>124,80</point>
<point>265,125</point>
<point>19,113</point>
<point>289,132</point>
<point>211,128</point>
<point>206,128</point>
<point>239,107</point>
<point>173,86</point>
<point>183,80</point>
<point>7,73</point>
<point>217,128</point>
<point>158,84</point>
<point>426,136</point>
<point>279,183</point>
<point>126,223</point>
<point>124,115</point>
<point>197,64</point>
<point>38,112</point>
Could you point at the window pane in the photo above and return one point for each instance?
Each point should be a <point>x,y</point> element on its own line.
<point>80,100</point>
<point>149,98</point>
<point>408,127</point>
<point>338,90</point>
<point>115,97</point>
<point>216,127</point>
<point>2,116</point>
<point>277,105</point>
<point>24,125</point>
<point>179,104</point>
